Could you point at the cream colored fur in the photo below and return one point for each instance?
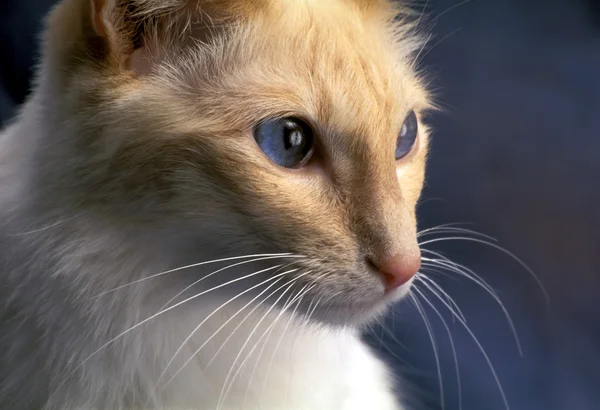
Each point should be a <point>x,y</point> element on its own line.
<point>134,156</point>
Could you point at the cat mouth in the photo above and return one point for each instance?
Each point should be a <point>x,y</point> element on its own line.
<point>354,308</point>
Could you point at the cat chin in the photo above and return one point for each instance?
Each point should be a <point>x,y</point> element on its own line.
<point>342,313</point>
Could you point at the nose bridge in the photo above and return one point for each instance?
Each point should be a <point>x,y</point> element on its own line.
<point>384,221</point>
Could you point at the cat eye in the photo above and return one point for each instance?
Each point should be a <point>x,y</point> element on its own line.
<point>288,142</point>
<point>408,135</point>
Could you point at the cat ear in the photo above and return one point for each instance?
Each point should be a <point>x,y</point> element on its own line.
<point>100,25</point>
<point>137,32</point>
<point>114,22</point>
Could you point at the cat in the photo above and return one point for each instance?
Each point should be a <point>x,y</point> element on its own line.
<point>203,202</point>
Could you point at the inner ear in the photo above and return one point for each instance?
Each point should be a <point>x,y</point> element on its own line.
<point>138,33</point>
<point>139,61</point>
<point>122,26</point>
<point>98,22</point>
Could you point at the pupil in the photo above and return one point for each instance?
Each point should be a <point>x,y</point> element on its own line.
<point>296,138</point>
<point>293,137</point>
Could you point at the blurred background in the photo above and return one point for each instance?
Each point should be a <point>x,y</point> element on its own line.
<point>515,155</point>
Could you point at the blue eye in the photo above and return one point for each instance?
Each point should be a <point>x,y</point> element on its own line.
<point>408,135</point>
<point>288,142</point>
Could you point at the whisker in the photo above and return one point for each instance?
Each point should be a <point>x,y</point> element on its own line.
<point>195,265</point>
<point>500,248</point>
<point>394,354</point>
<point>301,293</point>
<point>384,328</point>
<point>218,271</point>
<point>120,335</point>
<point>458,268</point>
<point>462,270</point>
<point>381,331</point>
<point>435,286</point>
<point>427,282</point>
<point>267,333</point>
<point>234,330</point>
<point>280,276</point>
<point>433,344</point>
<point>490,291</point>
<point>452,229</point>
<point>384,345</point>
<point>442,226</point>
<point>227,384</point>
<point>427,270</point>
<point>427,267</point>
<point>290,301</point>
<point>416,59</point>
<point>419,278</point>
<point>440,41</point>
<point>417,24</point>
<point>299,331</point>
<point>449,9</point>
<point>422,13</point>
<point>486,357</point>
<point>242,322</point>
<point>450,268</point>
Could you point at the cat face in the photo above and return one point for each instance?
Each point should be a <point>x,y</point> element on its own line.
<point>281,126</point>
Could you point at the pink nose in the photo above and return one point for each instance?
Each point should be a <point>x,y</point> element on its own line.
<point>398,270</point>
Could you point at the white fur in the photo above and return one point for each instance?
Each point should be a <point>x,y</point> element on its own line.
<point>296,366</point>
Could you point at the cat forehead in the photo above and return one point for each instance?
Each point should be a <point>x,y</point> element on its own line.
<point>344,69</point>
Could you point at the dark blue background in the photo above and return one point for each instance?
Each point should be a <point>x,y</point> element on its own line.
<point>517,154</point>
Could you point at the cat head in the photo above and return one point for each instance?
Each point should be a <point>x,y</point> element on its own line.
<point>256,126</point>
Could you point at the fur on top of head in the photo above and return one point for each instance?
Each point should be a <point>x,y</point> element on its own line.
<point>108,31</point>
